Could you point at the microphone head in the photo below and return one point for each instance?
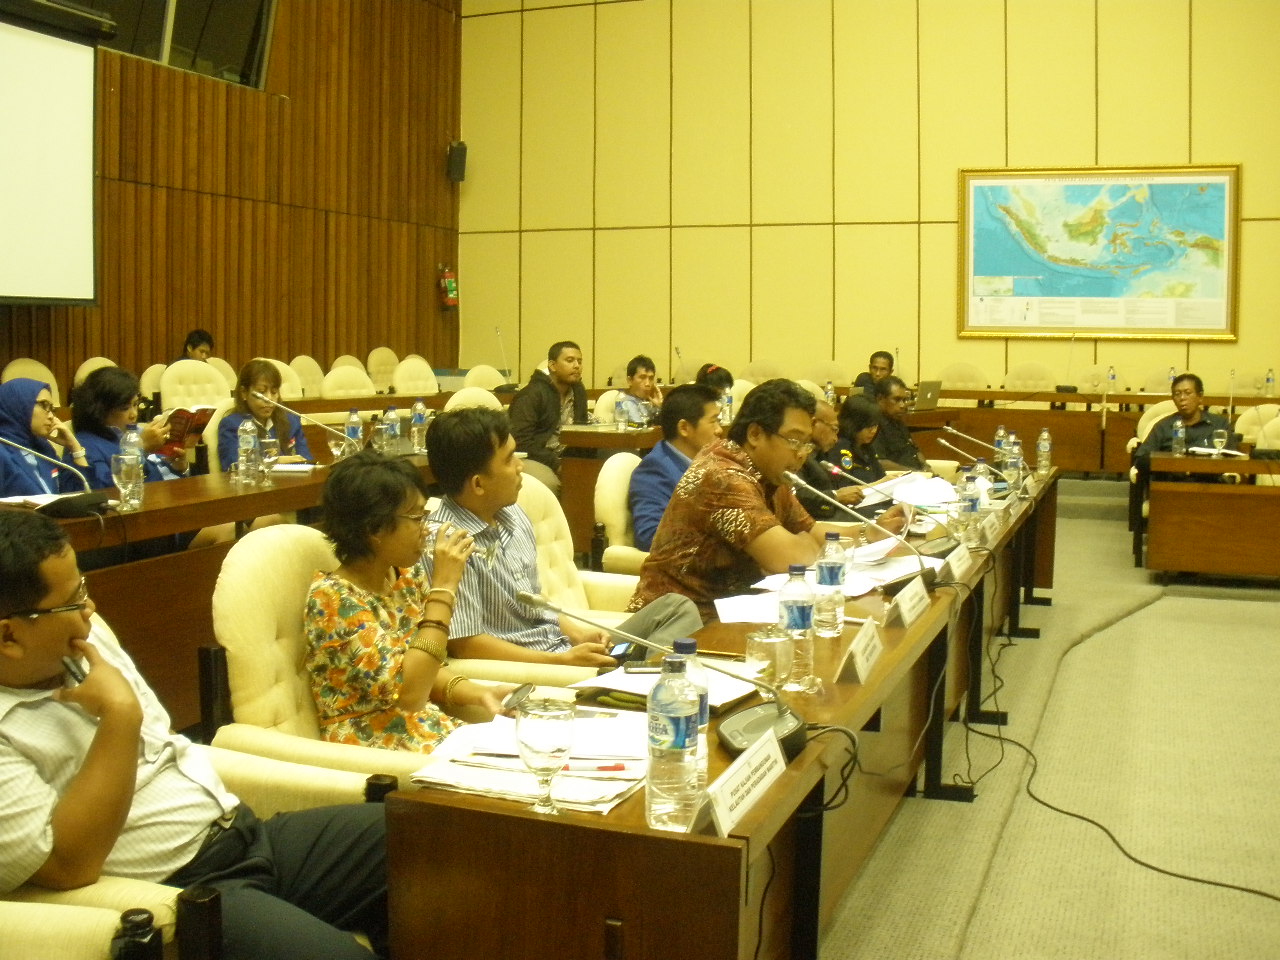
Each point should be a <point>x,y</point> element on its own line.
<point>793,479</point>
<point>535,600</point>
<point>259,395</point>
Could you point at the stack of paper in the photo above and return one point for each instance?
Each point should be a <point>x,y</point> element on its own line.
<point>721,690</point>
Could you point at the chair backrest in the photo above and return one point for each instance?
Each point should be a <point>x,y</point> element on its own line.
<point>149,382</point>
<point>739,392</point>
<point>1250,423</point>
<point>963,376</point>
<point>191,383</point>
<point>227,371</point>
<point>556,571</point>
<point>346,381</point>
<point>604,408</point>
<point>824,370</point>
<point>33,370</point>
<point>1153,414</point>
<point>346,360</point>
<point>413,377</point>
<point>758,371</point>
<point>612,487</point>
<point>483,375</point>
<point>210,433</point>
<point>473,397</point>
<point>381,367</point>
<point>90,365</point>
<point>310,373</point>
<point>815,391</point>
<point>290,383</point>
<point>258,605</point>
<point>1157,381</point>
<point>1029,376</point>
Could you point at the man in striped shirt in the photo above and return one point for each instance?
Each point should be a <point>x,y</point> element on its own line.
<point>473,456</point>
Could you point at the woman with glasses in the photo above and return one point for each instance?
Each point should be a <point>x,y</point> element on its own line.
<point>27,419</point>
<point>376,627</point>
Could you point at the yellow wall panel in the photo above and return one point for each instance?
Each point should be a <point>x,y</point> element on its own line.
<point>1050,84</point>
<point>1235,95</point>
<point>476,8</point>
<point>875,111</point>
<point>555,295</point>
<point>1143,82</point>
<point>791,160</point>
<point>875,295</point>
<point>489,298</point>
<point>558,118</point>
<point>961,97</point>
<point>710,112</point>
<point>791,296</point>
<point>490,195</point>
<point>710,297</point>
<point>633,300</point>
<point>633,115</point>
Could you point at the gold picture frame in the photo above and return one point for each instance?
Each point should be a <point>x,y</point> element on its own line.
<point>1117,253</point>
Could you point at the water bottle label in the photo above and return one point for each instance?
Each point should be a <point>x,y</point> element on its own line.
<point>797,616</point>
<point>830,573</point>
<point>667,732</point>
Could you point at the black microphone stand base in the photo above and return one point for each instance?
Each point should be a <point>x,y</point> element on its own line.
<point>739,731</point>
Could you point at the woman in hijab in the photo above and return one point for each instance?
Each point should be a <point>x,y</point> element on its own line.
<point>26,419</point>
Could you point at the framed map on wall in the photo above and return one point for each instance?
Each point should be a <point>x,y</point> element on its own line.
<point>1139,253</point>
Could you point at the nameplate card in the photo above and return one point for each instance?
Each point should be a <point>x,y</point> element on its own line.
<point>991,526</point>
<point>862,656</point>
<point>911,601</point>
<point>957,564</point>
<point>745,781</point>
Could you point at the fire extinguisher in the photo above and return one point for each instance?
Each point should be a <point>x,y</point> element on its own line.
<point>448,288</point>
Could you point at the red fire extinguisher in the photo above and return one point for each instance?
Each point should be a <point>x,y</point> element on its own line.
<point>448,288</point>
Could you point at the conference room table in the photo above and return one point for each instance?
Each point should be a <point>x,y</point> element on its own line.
<point>483,877</point>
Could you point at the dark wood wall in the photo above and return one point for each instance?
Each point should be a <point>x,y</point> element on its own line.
<point>306,217</point>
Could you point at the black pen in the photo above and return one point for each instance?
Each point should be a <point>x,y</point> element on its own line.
<point>74,670</point>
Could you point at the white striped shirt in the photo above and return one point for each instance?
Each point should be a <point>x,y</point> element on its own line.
<point>43,743</point>
<point>505,561</point>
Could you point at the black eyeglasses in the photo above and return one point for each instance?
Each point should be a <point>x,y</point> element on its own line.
<point>78,603</point>
<point>45,405</point>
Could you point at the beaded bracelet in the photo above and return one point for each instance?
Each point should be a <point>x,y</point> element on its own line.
<point>445,590</point>
<point>437,648</point>
<point>862,536</point>
<point>448,690</point>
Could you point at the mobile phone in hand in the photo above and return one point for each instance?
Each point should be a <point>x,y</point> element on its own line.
<point>74,670</point>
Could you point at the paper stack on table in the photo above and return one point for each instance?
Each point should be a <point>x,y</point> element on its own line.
<point>721,690</point>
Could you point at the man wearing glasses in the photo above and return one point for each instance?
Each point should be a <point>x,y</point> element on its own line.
<point>1188,397</point>
<point>817,472</point>
<point>893,444</point>
<point>733,517</point>
<point>96,784</point>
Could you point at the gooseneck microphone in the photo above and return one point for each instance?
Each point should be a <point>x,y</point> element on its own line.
<point>737,731</point>
<point>956,433</point>
<point>257,395</point>
<point>70,505</point>
<point>954,449</point>
<point>837,472</point>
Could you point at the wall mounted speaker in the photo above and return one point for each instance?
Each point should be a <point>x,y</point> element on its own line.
<point>457,163</point>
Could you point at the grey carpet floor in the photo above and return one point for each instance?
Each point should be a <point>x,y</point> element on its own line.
<point>1003,877</point>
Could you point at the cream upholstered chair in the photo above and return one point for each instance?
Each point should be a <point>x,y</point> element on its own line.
<point>191,383</point>
<point>605,408</point>
<point>963,376</point>
<point>33,370</point>
<point>612,509</point>
<point>483,375</point>
<point>814,390</point>
<point>77,924</point>
<point>1269,439</point>
<point>739,392</point>
<point>310,373</point>
<point>210,433</point>
<point>473,397</point>
<point>290,383</point>
<point>346,360</point>
<point>1138,505</point>
<point>258,605</point>
<point>381,366</point>
<point>149,382</point>
<point>1029,377</point>
<point>346,381</point>
<point>831,370</point>
<point>1250,423</point>
<point>413,377</point>
<point>228,372</point>
<point>90,365</point>
<point>758,371</point>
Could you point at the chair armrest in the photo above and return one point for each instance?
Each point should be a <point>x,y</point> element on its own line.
<point>273,744</point>
<point>623,559</point>
<point>607,591</point>
<point>273,785</point>
<point>514,671</point>
<point>946,469</point>
<point>58,932</point>
<point>1131,444</point>
<point>111,894</point>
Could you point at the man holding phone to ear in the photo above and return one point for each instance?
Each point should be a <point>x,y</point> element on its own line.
<point>96,784</point>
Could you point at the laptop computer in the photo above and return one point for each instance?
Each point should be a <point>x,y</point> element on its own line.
<point>927,395</point>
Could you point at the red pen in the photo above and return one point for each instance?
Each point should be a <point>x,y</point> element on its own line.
<point>595,768</point>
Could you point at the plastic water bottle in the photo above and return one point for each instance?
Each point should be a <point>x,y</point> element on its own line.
<point>619,414</point>
<point>828,605</point>
<point>248,462</point>
<point>696,674</point>
<point>1013,463</point>
<point>830,394</point>
<point>131,442</point>
<point>671,794</point>
<point>391,430</point>
<point>418,426</point>
<point>970,501</point>
<point>726,410</point>
<point>980,470</point>
<point>1172,374</point>
<point>1111,379</point>
<point>353,428</point>
<point>1179,447</point>
<point>1270,384</point>
<point>1002,438</point>
<point>1044,453</point>
<point>795,615</point>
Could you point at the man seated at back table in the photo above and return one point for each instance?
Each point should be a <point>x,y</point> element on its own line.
<point>1188,397</point>
<point>642,399</point>
<point>549,401</point>
<point>733,517</point>
<point>474,459</point>
<point>878,367</point>
<point>893,444</point>
<point>690,420</point>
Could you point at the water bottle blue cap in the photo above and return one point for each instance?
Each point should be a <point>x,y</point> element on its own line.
<point>685,645</point>
<point>796,569</point>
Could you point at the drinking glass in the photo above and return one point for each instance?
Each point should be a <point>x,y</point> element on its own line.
<point>544,733</point>
<point>336,447</point>
<point>269,448</point>
<point>126,471</point>
<point>769,654</point>
<point>1219,442</point>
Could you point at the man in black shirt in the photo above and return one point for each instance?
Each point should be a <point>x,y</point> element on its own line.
<point>1188,397</point>
<point>878,367</point>
<point>893,444</point>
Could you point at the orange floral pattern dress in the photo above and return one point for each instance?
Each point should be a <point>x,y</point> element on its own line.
<point>356,644</point>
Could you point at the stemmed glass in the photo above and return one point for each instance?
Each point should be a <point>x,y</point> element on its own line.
<point>336,447</point>
<point>1219,442</point>
<point>769,657</point>
<point>269,447</point>
<point>126,471</point>
<point>544,733</point>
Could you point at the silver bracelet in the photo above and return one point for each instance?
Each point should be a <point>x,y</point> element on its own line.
<point>862,536</point>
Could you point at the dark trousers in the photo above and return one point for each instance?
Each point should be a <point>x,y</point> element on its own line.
<point>292,886</point>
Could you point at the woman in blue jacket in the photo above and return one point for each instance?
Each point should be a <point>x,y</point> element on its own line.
<point>26,418</point>
<point>261,376</point>
<point>103,407</point>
